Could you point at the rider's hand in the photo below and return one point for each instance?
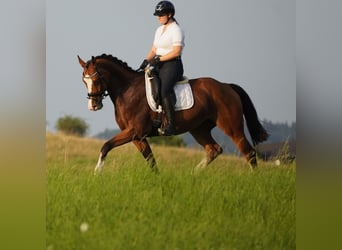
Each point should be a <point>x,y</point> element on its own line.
<point>143,65</point>
<point>155,61</point>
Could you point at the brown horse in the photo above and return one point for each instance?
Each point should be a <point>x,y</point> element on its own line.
<point>215,104</point>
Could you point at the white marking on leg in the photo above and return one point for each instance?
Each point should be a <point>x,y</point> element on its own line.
<point>99,164</point>
<point>200,166</point>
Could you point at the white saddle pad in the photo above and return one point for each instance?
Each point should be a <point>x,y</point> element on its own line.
<point>183,91</point>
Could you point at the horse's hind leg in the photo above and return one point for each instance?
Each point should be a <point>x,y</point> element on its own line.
<point>203,136</point>
<point>246,149</point>
<point>146,151</point>
<point>236,133</point>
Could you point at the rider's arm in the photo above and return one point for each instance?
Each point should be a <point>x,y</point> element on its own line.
<point>151,53</point>
<point>176,51</point>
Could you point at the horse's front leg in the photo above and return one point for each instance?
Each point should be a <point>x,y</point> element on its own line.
<point>121,138</point>
<point>146,151</point>
<point>99,164</point>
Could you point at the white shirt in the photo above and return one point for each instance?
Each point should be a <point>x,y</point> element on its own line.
<point>172,36</point>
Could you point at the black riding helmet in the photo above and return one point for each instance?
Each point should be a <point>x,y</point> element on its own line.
<point>164,8</point>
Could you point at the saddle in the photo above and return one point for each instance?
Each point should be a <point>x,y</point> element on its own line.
<point>182,94</point>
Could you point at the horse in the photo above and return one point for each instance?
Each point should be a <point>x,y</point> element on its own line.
<point>219,104</point>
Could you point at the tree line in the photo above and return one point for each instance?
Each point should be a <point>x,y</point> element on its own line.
<point>279,132</point>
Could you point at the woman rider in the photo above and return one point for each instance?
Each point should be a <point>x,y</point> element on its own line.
<point>165,57</point>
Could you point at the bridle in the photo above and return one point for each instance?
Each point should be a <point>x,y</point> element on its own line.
<point>101,94</point>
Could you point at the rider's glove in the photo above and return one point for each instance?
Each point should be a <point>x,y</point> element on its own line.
<point>155,61</point>
<point>143,65</point>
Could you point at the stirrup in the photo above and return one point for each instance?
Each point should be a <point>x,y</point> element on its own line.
<point>165,131</point>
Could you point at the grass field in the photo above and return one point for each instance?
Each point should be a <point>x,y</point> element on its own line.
<point>225,206</point>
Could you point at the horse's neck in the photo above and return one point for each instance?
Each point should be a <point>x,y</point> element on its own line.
<point>130,96</point>
<point>119,76</point>
<point>117,72</point>
<point>122,81</point>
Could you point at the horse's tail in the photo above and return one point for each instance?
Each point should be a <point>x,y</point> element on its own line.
<point>256,130</point>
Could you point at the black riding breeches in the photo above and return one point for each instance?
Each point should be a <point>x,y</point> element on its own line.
<point>169,73</point>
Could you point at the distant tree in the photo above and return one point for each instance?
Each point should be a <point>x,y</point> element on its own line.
<point>72,125</point>
<point>280,131</point>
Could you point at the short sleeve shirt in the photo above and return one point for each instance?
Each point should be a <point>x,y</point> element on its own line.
<point>164,42</point>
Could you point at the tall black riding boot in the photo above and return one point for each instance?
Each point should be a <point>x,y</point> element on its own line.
<point>156,89</point>
<point>170,114</point>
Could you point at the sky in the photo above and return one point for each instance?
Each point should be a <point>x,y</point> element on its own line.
<point>251,43</point>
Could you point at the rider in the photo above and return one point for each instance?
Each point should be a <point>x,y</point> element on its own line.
<point>165,57</point>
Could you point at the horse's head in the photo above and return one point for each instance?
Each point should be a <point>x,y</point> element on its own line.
<point>95,83</point>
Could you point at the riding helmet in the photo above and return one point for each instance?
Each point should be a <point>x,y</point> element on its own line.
<point>164,8</point>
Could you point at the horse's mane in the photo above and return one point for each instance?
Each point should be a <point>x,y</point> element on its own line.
<point>115,60</point>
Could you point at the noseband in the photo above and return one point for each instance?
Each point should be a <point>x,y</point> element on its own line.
<point>101,94</point>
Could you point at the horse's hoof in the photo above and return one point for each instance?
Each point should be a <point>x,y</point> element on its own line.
<point>252,164</point>
<point>97,170</point>
<point>155,170</point>
<point>200,166</point>
<point>252,168</point>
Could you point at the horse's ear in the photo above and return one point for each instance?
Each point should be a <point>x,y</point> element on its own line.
<point>93,59</point>
<point>82,63</point>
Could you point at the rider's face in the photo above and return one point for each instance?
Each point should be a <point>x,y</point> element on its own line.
<point>163,19</point>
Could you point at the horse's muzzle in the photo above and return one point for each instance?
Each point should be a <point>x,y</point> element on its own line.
<point>94,105</point>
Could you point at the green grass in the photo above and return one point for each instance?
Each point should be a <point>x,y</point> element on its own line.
<point>128,207</point>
